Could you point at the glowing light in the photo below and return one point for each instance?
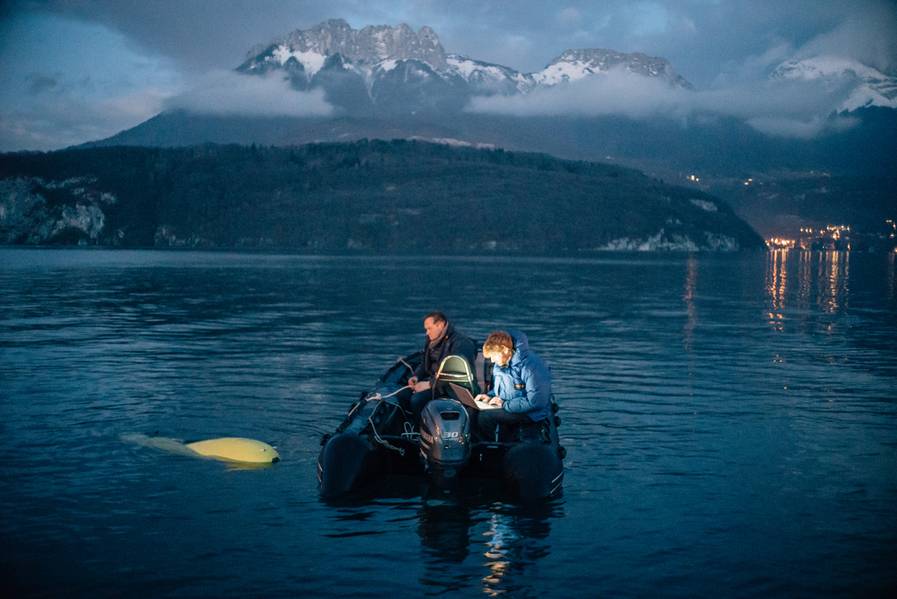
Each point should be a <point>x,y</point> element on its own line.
<point>780,243</point>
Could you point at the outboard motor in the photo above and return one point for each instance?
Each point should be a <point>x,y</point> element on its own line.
<point>445,436</point>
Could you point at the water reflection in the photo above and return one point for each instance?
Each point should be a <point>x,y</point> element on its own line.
<point>514,541</point>
<point>804,279</point>
<point>827,285</point>
<point>472,535</point>
<point>503,540</point>
<point>892,259</point>
<point>277,347</point>
<point>688,296</point>
<point>776,286</point>
<point>834,276</point>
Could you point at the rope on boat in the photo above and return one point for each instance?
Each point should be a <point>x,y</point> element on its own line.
<point>380,439</point>
<point>407,365</point>
<point>377,437</point>
<point>409,434</point>
<point>378,396</point>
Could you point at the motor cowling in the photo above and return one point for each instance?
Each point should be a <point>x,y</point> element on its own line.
<point>445,434</point>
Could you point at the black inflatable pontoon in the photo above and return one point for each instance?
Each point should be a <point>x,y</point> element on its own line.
<point>377,438</point>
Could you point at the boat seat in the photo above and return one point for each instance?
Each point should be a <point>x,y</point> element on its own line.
<point>456,370</point>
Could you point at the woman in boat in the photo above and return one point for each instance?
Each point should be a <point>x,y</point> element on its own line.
<point>522,383</point>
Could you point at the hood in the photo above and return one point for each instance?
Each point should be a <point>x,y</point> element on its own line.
<point>521,345</point>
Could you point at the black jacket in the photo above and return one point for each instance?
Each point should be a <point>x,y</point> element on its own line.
<point>452,343</point>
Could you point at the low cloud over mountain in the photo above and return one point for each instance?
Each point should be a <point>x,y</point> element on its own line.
<point>797,108</point>
<point>230,93</point>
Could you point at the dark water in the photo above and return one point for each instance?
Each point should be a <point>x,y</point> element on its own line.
<point>731,425</point>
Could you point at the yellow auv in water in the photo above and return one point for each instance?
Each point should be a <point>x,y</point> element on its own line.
<point>231,449</point>
<point>236,449</point>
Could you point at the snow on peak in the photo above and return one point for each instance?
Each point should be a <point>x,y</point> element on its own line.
<point>824,66</point>
<point>387,65</point>
<point>377,50</point>
<point>573,65</point>
<point>560,72</point>
<point>486,74</point>
<point>871,88</point>
<point>371,44</point>
<point>310,61</point>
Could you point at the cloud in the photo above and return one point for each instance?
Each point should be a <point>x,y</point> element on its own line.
<point>869,37</point>
<point>569,17</point>
<point>756,66</point>
<point>65,81</point>
<point>64,117</point>
<point>801,129</point>
<point>784,108</point>
<point>37,83</point>
<point>230,93</point>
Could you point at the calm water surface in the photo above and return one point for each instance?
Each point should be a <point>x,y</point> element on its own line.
<point>731,425</point>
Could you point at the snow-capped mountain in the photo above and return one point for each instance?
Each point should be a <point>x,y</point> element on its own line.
<point>396,70</point>
<point>488,77</point>
<point>866,86</point>
<point>573,65</point>
<point>369,45</point>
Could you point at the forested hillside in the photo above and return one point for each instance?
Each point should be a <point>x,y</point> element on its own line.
<point>397,196</point>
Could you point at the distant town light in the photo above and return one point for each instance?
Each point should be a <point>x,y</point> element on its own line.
<point>780,243</point>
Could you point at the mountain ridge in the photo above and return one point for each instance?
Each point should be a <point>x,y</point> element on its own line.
<point>372,196</point>
<point>376,50</point>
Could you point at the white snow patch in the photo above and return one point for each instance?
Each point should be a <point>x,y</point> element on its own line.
<point>824,66</point>
<point>310,61</point>
<point>873,87</point>
<point>462,66</point>
<point>560,72</point>
<point>468,68</point>
<point>388,65</point>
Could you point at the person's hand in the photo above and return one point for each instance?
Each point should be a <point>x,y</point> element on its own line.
<point>482,397</point>
<point>496,401</point>
<point>421,386</point>
<point>412,382</point>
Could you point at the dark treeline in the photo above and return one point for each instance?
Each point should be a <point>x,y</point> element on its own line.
<point>377,195</point>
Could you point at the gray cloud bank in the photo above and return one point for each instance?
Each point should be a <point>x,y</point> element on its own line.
<point>785,108</point>
<point>742,89</point>
<point>230,93</point>
<point>725,47</point>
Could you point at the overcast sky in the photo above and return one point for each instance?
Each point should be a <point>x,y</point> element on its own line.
<point>77,70</point>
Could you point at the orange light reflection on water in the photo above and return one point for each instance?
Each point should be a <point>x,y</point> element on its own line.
<point>776,286</point>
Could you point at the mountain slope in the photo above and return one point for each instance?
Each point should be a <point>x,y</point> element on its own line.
<point>395,196</point>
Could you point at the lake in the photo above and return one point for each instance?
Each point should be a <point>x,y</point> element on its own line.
<point>730,421</point>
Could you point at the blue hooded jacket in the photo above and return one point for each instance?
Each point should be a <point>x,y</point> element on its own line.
<point>525,383</point>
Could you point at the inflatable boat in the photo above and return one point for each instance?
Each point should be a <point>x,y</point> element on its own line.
<point>378,437</point>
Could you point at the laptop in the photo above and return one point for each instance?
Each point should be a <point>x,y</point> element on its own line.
<point>465,397</point>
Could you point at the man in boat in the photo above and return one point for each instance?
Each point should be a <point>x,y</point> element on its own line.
<point>521,383</point>
<point>442,340</point>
